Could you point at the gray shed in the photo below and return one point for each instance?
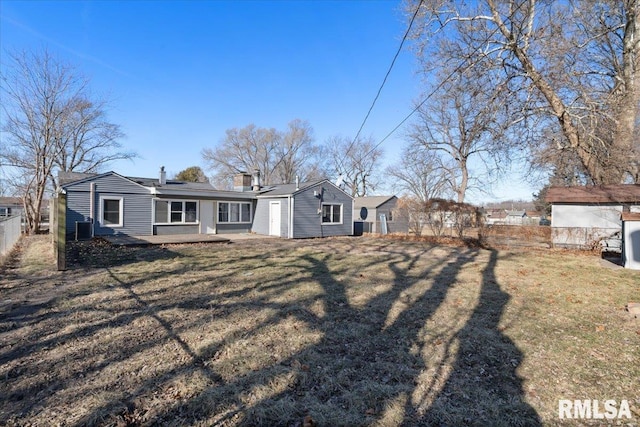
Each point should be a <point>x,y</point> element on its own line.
<point>631,240</point>
<point>369,209</point>
<point>310,209</point>
<point>583,215</point>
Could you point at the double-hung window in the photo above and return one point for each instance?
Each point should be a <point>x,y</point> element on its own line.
<point>175,212</point>
<point>234,212</point>
<point>111,211</point>
<point>331,214</point>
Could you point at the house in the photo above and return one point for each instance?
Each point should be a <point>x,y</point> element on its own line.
<point>368,213</point>
<point>533,217</point>
<point>112,204</point>
<point>515,217</point>
<point>10,206</point>
<point>495,216</point>
<point>583,215</point>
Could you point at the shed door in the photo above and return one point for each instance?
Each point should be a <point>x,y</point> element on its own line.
<point>274,219</point>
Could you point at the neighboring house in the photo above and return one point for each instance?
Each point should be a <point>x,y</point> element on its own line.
<point>533,217</point>
<point>495,216</point>
<point>368,211</point>
<point>515,217</point>
<point>583,215</point>
<point>110,204</point>
<point>10,206</point>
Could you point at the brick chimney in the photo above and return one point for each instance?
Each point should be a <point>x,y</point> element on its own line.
<point>163,176</point>
<point>242,182</point>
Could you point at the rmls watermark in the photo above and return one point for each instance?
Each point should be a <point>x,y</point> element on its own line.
<point>593,409</point>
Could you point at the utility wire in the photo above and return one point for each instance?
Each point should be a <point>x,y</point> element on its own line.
<point>384,81</point>
<point>433,92</point>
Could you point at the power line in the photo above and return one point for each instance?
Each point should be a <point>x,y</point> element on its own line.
<point>436,89</point>
<point>384,81</point>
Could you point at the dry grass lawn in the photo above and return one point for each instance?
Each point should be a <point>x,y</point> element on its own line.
<point>330,332</point>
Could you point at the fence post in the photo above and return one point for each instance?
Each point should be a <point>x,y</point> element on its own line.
<point>61,231</point>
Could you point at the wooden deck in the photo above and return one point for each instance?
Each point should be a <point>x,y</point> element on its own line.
<point>176,239</point>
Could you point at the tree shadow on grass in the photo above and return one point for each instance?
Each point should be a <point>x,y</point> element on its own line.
<point>484,387</point>
<point>367,365</point>
<point>375,359</point>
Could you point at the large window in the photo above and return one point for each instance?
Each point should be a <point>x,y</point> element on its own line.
<point>234,212</point>
<point>111,211</point>
<point>175,212</point>
<point>331,214</point>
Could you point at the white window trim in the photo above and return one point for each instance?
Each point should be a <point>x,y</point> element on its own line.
<point>184,212</point>
<point>121,208</point>
<point>229,212</point>
<point>341,214</point>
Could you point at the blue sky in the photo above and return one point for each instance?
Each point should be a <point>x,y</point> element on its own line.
<point>179,73</point>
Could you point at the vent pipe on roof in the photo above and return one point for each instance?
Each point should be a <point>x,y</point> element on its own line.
<point>256,180</point>
<point>163,176</point>
<point>297,182</point>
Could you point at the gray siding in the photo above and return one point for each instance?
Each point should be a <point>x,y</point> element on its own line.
<point>397,224</point>
<point>166,230</point>
<point>307,222</point>
<point>136,205</point>
<point>581,226</point>
<point>222,228</point>
<point>261,216</point>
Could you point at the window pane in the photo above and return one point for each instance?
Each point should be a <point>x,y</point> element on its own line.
<point>336,213</point>
<point>326,213</point>
<point>190,212</point>
<point>223,212</point>
<point>162,211</point>
<point>246,212</point>
<point>176,211</point>
<point>111,212</point>
<point>235,212</point>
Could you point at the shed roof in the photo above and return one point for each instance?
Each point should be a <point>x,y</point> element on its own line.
<point>10,201</point>
<point>622,193</point>
<point>630,216</point>
<point>288,189</point>
<point>371,202</point>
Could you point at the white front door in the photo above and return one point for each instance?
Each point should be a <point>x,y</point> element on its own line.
<point>274,219</point>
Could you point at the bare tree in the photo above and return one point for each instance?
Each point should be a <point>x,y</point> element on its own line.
<point>463,122</point>
<point>50,124</point>
<point>574,63</point>
<point>419,173</point>
<point>297,154</point>
<point>279,156</point>
<point>357,162</point>
<point>87,140</point>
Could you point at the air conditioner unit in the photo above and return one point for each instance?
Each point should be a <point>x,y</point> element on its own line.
<point>83,230</point>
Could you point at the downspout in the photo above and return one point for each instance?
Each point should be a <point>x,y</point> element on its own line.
<point>92,206</point>
<point>353,206</point>
<point>291,210</point>
<point>320,211</point>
